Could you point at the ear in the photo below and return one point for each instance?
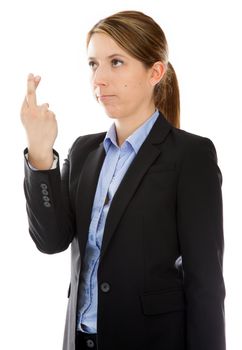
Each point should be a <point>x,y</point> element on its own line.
<point>157,72</point>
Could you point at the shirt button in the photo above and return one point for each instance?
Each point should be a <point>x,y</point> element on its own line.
<point>47,204</point>
<point>90,343</point>
<point>105,287</point>
<point>45,198</point>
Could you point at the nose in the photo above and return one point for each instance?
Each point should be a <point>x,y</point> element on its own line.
<point>100,77</point>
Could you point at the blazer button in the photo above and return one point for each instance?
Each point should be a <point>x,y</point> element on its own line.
<point>43,186</point>
<point>105,287</point>
<point>45,192</point>
<point>47,204</point>
<point>90,343</point>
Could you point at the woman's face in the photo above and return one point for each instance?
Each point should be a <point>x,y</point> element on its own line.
<point>120,83</point>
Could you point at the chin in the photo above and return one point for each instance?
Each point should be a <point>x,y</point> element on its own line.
<point>112,113</point>
<point>116,111</point>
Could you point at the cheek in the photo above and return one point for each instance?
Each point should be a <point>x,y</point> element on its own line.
<point>134,88</point>
<point>133,85</point>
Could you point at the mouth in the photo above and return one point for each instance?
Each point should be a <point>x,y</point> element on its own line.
<point>105,97</point>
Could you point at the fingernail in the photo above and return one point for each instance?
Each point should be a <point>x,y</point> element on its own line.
<point>30,75</point>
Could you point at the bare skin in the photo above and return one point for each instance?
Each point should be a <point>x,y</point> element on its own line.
<point>40,125</point>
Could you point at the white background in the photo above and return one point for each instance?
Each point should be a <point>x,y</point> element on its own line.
<point>48,38</point>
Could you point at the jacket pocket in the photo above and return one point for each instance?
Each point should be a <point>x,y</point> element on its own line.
<point>162,302</point>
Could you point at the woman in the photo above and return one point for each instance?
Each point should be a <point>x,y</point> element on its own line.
<point>140,204</point>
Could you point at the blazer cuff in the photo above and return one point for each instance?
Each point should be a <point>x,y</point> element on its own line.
<point>54,164</point>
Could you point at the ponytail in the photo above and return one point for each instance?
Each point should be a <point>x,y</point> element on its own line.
<point>167,98</point>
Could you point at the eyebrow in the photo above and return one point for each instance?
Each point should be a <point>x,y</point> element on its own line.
<point>110,56</point>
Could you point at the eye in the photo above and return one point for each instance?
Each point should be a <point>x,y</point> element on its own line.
<point>92,64</point>
<point>116,62</point>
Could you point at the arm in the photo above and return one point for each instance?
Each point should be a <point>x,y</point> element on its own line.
<point>200,229</point>
<point>46,191</point>
<point>51,220</point>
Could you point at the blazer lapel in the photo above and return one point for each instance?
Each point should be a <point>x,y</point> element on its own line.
<point>143,160</point>
<point>86,192</point>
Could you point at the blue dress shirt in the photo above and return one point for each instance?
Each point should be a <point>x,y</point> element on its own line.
<point>115,165</point>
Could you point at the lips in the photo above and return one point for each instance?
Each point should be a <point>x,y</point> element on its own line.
<point>105,97</point>
<point>100,96</point>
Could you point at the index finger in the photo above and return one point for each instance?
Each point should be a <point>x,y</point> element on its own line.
<point>31,90</point>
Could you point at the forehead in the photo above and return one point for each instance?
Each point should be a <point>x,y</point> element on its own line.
<point>102,45</point>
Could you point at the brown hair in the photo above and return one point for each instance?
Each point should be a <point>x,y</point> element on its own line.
<point>143,39</point>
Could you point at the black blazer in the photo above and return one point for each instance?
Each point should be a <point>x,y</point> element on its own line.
<point>160,282</point>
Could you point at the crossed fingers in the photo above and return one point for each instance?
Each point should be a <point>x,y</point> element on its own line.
<point>30,99</point>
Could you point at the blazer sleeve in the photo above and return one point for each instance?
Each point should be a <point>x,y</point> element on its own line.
<point>50,216</point>
<point>200,230</point>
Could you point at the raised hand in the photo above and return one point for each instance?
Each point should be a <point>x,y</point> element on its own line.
<point>40,126</point>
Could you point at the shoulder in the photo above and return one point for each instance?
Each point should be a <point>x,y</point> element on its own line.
<point>189,139</point>
<point>196,156</point>
<point>190,144</point>
<point>86,142</point>
<point>180,142</point>
<point>197,162</point>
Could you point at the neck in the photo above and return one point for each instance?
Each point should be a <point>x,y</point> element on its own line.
<point>126,126</point>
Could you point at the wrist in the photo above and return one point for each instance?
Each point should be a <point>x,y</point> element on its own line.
<point>41,161</point>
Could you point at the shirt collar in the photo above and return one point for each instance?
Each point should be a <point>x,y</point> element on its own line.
<point>136,138</point>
